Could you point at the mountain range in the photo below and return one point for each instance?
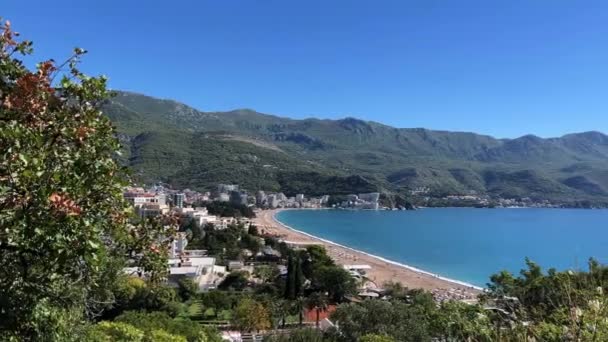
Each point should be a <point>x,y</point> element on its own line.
<point>168,141</point>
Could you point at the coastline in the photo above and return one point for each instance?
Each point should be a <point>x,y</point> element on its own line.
<point>382,270</point>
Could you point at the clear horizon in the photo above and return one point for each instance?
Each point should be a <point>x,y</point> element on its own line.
<point>504,68</point>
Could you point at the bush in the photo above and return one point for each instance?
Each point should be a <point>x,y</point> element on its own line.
<point>301,335</point>
<point>235,281</point>
<point>187,288</point>
<point>160,321</point>
<point>114,332</point>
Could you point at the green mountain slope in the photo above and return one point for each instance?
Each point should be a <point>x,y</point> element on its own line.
<point>169,141</point>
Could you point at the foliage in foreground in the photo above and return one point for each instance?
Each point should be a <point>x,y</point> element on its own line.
<point>66,230</point>
<point>551,306</point>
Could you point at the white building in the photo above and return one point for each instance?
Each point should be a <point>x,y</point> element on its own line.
<point>151,210</point>
<point>199,215</point>
<point>272,201</point>
<point>178,245</point>
<point>147,204</point>
<point>202,270</point>
<point>141,198</point>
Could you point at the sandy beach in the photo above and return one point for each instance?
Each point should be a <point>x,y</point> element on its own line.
<point>381,270</point>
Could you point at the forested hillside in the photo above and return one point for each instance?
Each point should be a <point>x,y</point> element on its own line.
<point>169,141</point>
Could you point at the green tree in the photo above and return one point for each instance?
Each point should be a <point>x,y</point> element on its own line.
<point>399,320</point>
<point>297,307</point>
<point>317,301</point>
<point>163,336</point>
<point>218,300</point>
<point>251,315</point>
<point>265,272</point>
<point>376,338</point>
<point>280,309</point>
<point>114,332</point>
<point>237,280</point>
<point>290,284</point>
<point>295,278</point>
<point>334,280</point>
<point>187,288</point>
<point>159,321</point>
<point>299,335</point>
<point>314,258</point>
<point>253,230</point>
<point>65,226</point>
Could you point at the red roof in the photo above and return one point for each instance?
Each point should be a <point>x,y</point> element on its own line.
<point>311,315</point>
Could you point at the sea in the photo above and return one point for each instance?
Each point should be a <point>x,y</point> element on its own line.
<point>465,244</point>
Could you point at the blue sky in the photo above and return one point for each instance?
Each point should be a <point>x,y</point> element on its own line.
<point>504,68</point>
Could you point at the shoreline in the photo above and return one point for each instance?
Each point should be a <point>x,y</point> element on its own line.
<point>383,269</point>
<point>396,263</point>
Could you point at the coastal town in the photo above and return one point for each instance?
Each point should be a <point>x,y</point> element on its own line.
<point>210,272</point>
<point>168,202</point>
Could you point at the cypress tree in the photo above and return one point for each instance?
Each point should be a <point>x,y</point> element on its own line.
<point>298,277</point>
<point>290,287</point>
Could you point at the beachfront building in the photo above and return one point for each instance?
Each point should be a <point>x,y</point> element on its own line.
<point>362,201</point>
<point>178,200</point>
<point>199,215</point>
<point>300,198</point>
<point>357,271</point>
<point>260,198</point>
<point>300,245</point>
<point>238,197</point>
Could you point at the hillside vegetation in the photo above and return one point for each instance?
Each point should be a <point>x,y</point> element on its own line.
<point>171,142</point>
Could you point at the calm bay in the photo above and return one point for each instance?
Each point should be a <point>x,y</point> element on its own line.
<point>465,244</point>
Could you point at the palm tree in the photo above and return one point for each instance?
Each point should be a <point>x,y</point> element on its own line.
<point>317,301</point>
<point>298,306</point>
<point>280,310</point>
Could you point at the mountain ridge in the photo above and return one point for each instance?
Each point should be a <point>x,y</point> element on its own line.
<point>349,117</point>
<point>395,160</point>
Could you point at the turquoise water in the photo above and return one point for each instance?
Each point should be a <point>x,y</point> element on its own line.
<point>464,243</point>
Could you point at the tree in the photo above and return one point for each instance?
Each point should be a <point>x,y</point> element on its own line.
<point>297,307</point>
<point>336,281</point>
<point>65,226</point>
<point>280,309</point>
<point>399,320</point>
<point>163,336</point>
<point>159,321</point>
<point>290,284</point>
<point>114,331</point>
<point>187,288</point>
<point>317,301</point>
<point>295,278</point>
<point>265,272</point>
<point>315,257</point>
<point>218,300</point>
<point>251,315</point>
<point>376,338</point>
<point>299,335</point>
<point>252,230</point>
<point>250,242</point>
<point>235,281</point>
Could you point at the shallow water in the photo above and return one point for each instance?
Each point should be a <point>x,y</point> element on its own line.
<point>466,244</point>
